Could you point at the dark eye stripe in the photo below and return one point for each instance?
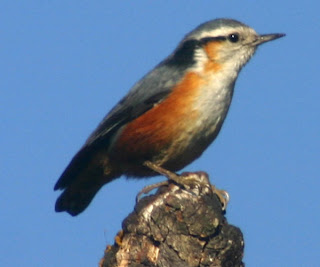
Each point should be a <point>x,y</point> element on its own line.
<point>206,40</point>
<point>183,56</point>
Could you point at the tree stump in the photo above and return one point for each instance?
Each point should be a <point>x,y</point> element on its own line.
<point>178,226</point>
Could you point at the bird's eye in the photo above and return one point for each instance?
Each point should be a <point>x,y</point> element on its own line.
<point>233,37</point>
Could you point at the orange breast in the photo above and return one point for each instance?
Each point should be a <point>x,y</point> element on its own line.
<point>155,130</point>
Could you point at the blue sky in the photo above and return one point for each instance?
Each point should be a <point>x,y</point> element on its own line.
<point>65,64</point>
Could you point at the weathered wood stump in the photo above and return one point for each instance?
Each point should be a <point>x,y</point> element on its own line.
<point>178,226</point>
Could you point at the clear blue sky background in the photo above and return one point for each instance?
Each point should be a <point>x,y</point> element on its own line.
<point>65,64</point>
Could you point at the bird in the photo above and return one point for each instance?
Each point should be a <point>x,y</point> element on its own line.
<point>168,118</point>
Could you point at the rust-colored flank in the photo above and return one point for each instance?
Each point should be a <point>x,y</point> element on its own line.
<point>161,124</point>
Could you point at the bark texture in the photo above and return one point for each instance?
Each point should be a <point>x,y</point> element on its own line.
<point>178,226</point>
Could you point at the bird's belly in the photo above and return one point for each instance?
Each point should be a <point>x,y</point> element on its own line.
<point>172,143</point>
<point>176,131</point>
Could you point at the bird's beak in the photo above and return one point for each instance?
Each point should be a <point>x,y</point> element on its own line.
<point>266,38</point>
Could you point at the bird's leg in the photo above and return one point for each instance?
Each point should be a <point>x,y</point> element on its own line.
<point>185,179</point>
<point>170,175</point>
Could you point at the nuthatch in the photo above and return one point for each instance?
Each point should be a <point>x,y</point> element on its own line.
<point>168,118</point>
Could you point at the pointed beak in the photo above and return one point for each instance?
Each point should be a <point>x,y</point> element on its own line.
<point>266,38</point>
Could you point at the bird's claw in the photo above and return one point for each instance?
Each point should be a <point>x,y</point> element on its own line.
<point>186,179</point>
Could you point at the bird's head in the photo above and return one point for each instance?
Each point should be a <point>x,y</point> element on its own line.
<point>223,43</point>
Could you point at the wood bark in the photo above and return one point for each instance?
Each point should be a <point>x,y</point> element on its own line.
<point>178,226</point>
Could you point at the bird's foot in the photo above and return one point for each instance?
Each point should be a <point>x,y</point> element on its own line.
<point>186,179</point>
<point>147,189</point>
<point>223,196</point>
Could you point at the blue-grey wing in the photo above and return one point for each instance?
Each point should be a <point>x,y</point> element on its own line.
<point>149,91</point>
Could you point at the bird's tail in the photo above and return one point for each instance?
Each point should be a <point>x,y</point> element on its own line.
<point>81,181</point>
<point>77,196</point>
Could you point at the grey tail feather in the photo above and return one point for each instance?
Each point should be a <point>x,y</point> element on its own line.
<point>81,185</point>
<point>76,166</point>
<point>81,180</point>
<point>75,201</point>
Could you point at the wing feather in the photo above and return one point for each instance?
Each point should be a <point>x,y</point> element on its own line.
<point>149,91</point>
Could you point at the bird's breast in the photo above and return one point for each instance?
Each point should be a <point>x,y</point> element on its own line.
<point>178,129</point>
